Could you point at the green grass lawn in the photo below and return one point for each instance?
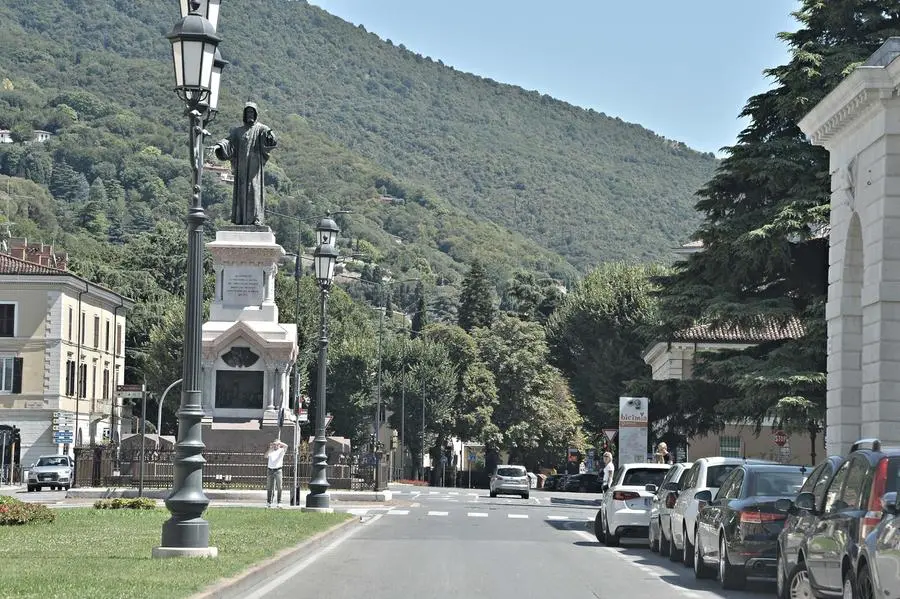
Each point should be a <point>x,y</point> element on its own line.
<point>90,553</point>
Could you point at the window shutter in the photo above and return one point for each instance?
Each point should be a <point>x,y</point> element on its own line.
<point>17,375</point>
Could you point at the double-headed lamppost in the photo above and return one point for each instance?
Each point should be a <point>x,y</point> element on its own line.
<point>325,258</point>
<point>197,76</point>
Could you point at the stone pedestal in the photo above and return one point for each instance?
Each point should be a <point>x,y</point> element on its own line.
<point>859,124</point>
<point>247,353</point>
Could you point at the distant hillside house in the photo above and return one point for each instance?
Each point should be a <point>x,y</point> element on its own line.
<point>675,359</point>
<point>5,136</point>
<point>62,350</point>
<point>41,136</point>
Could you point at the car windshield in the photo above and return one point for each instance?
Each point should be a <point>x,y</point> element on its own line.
<point>785,484</point>
<point>53,461</point>
<point>716,475</point>
<point>639,477</point>
<point>510,471</point>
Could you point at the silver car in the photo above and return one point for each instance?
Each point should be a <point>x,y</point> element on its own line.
<point>54,471</point>
<point>510,480</point>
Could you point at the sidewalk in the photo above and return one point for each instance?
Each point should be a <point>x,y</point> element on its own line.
<point>239,495</point>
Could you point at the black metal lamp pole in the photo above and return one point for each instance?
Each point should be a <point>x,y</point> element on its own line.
<point>194,48</point>
<point>325,258</point>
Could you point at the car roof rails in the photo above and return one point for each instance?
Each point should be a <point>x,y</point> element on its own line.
<point>870,444</point>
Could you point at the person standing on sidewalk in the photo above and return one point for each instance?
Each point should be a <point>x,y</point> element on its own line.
<point>275,454</point>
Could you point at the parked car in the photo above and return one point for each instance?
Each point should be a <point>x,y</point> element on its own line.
<point>54,471</point>
<point>510,480</point>
<point>737,530</point>
<point>878,564</point>
<point>586,482</point>
<point>625,506</point>
<point>706,474</point>
<point>552,482</point>
<point>827,555</point>
<point>799,522</point>
<point>661,507</point>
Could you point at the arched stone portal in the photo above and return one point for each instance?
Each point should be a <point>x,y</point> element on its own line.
<point>859,124</point>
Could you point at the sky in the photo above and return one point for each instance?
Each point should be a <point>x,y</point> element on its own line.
<point>682,68</point>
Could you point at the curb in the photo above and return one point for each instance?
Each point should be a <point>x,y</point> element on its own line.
<point>273,565</point>
<point>220,495</point>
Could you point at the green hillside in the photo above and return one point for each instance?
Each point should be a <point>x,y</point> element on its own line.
<point>469,159</point>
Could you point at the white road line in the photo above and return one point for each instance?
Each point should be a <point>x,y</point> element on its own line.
<point>557,517</point>
<point>373,519</point>
<point>415,504</point>
<point>286,575</point>
<point>437,513</point>
<point>521,516</point>
<point>398,512</point>
<point>432,492</point>
<point>454,500</point>
<point>454,493</point>
<point>358,511</point>
<point>477,515</point>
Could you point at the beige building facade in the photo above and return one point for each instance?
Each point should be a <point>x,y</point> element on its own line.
<point>62,350</point>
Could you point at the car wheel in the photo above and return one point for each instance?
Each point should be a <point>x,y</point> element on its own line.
<point>525,495</point>
<point>798,582</point>
<point>665,546</point>
<point>701,570</point>
<point>730,577</point>
<point>781,586</point>
<point>31,488</point>
<point>864,587</point>
<point>598,527</point>
<point>611,539</point>
<point>674,552</point>
<point>687,551</point>
<point>653,537</point>
<point>493,494</point>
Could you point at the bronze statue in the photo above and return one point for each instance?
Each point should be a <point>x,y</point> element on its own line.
<point>248,147</point>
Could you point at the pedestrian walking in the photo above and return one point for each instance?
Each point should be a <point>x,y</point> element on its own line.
<point>275,454</point>
<point>608,469</point>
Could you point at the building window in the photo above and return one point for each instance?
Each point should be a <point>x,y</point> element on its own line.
<point>119,349</point>
<point>106,381</point>
<point>97,332</point>
<point>730,447</point>
<point>94,381</point>
<point>7,320</point>
<point>71,319</point>
<point>82,380</point>
<point>81,328</point>
<point>10,374</point>
<point>70,377</point>
<point>106,343</point>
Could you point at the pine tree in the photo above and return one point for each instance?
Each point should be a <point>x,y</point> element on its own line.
<point>420,318</point>
<point>476,302</point>
<point>765,257</point>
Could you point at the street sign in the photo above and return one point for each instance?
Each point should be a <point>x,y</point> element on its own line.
<point>130,391</point>
<point>780,437</point>
<point>443,460</point>
<point>611,433</point>
<point>303,416</point>
<point>472,457</point>
<point>63,437</point>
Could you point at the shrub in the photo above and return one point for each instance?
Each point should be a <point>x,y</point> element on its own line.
<point>13,512</point>
<point>122,503</point>
<point>9,500</point>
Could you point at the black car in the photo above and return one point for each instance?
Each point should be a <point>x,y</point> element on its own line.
<point>738,529</point>
<point>551,483</point>
<point>587,482</point>
<point>827,554</point>
<point>800,522</point>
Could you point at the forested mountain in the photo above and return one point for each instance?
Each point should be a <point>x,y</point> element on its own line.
<point>466,159</point>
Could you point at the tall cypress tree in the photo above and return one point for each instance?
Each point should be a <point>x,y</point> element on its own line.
<point>765,262</point>
<point>476,302</point>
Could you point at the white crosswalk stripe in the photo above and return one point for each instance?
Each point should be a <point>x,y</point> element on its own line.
<point>557,517</point>
<point>437,513</point>
<point>398,512</point>
<point>522,516</point>
<point>477,515</point>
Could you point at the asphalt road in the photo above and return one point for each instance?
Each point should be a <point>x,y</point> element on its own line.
<point>462,544</point>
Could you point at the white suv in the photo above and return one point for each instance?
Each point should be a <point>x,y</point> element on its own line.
<point>625,507</point>
<point>510,480</point>
<point>707,474</point>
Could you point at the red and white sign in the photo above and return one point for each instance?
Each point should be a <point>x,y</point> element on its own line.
<point>780,437</point>
<point>611,433</point>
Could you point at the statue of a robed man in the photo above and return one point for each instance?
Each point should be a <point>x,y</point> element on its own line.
<point>248,147</point>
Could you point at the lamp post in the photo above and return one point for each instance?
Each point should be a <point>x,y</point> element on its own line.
<point>324,257</point>
<point>194,46</point>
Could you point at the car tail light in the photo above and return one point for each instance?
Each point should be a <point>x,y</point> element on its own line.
<point>757,517</point>
<point>624,495</point>
<point>879,484</point>
<point>670,501</point>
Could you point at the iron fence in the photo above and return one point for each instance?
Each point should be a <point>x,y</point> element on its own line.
<point>111,467</point>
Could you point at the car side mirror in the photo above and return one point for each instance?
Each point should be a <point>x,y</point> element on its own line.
<point>651,488</point>
<point>806,501</point>
<point>785,505</point>
<point>703,498</point>
<point>889,503</point>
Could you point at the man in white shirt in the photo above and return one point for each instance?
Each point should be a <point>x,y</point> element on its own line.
<point>275,454</point>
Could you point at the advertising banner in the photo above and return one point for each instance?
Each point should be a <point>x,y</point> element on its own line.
<point>633,423</point>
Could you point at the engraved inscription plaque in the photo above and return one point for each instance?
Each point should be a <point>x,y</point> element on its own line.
<point>243,286</point>
<point>239,389</point>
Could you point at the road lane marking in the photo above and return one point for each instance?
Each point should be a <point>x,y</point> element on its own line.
<point>557,517</point>
<point>432,492</point>
<point>373,519</point>
<point>358,511</point>
<point>454,493</point>
<point>522,516</point>
<point>437,513</point>
<point>477,515</point>
<point>415,504</point>
<point>398,512</point>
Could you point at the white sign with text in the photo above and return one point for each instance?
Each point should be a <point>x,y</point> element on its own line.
<point>633,421</point>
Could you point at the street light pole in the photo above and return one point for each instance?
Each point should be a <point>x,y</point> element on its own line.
<point>325,257</point>
<point>197,77</point>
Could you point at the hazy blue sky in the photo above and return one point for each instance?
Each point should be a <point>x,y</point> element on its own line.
<point>683,69</point>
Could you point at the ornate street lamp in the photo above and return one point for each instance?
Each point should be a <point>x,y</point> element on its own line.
<point>186,533</point>
<point>208,9</point>
<point>325,258</point>
<point>215,80</point>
